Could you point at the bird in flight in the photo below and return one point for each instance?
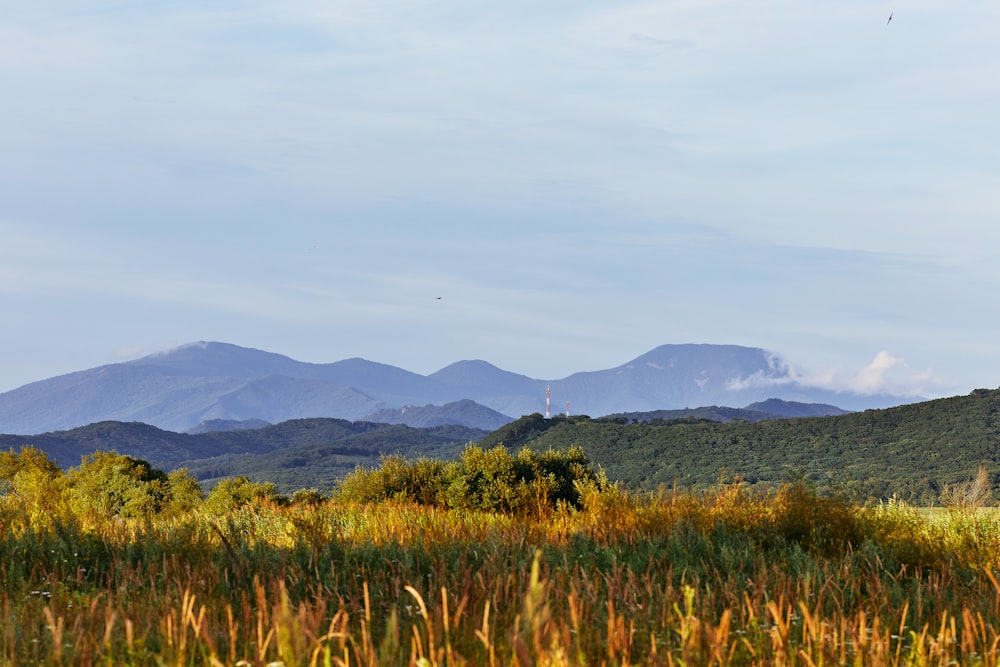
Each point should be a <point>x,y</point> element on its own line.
<point>890,19</point>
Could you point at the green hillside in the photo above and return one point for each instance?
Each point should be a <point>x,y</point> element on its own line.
<point>911,451</point>
<point>320,464</point>
<point>296,454</point>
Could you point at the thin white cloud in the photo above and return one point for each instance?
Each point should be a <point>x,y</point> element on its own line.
<point>530,156</point>
<point>885,374</point>
<point>758,380</point>
<point>874,377</point>
<point>130,352</point>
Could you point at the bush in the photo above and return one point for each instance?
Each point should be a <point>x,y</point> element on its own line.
<point>308,497</point>
<point>233,493</point>
<point>481,479</point>
<point>109,484</point>
<point>975,493</point>
<point>185,492</point>
<point>32,484</point>
<point>396,479</point>
<point>826,524</point>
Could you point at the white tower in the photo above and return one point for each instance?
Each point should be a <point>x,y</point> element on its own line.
<point>548,402</point>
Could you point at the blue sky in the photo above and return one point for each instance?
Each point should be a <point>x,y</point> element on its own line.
<point>579,181</point>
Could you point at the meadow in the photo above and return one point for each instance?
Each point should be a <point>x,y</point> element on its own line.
<point>376,574</point>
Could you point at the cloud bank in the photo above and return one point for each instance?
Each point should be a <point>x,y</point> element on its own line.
<point>885,374</point>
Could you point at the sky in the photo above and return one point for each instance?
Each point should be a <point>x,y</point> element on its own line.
<point>579,182</point>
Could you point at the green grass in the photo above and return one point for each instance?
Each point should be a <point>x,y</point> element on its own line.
<point>491,559</point>
<point>723,577</point>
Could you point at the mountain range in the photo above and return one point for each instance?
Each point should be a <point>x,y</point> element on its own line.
<point>199,383</point>
<point>913,451</point>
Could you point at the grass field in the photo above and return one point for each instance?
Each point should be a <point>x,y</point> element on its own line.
<point>726,577</point>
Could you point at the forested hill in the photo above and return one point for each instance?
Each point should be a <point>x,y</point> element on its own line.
<point>770,409</point>
<point>911,451</point>
<point>169,450</point>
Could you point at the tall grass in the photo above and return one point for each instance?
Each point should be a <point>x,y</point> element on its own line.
<point>728,577</point>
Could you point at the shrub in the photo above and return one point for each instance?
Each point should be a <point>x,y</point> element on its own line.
<point>108,484</point>
<point>421,481</point>
<point>308,497</point>
<point>31,483</point>
<point>235,492</point>
<point>481,479</point>
<point>971,494</point>
<point>826,524</point>
<point>185,492</point>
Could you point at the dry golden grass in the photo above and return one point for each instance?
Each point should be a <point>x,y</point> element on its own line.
<point>723,578</point>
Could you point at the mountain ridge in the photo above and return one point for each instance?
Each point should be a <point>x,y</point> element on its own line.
<point>170,450</point>
<point>911,451</point>
<point>180,388</point>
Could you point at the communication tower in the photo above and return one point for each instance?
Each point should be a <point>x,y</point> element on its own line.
<point>548,402</point>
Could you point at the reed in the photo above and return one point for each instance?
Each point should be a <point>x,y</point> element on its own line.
<point>728,577</point>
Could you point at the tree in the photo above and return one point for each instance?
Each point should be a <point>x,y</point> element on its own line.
<point>308,497</point>
<point>31,482</point>
<point>185,492</point>
<point>483,479</point>
<point>971,494</point>
<point>235,492</point>
<point>109,484</point>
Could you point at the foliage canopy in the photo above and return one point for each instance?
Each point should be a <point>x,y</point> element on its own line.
<point>481,479</point>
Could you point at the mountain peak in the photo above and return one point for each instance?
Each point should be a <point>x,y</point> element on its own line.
<point>471,369</point>
<point>698,352</point>
<point>179,388</point>
<point>203,358</point>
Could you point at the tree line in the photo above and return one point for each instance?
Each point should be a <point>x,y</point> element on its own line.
<point>109,485</point>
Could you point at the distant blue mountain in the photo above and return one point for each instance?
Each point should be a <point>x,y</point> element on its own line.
<point>199,382</point>
<point>462,413</point>
<point>691,375</point>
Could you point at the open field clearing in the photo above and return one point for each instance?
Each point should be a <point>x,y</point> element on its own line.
<point>725,577</point>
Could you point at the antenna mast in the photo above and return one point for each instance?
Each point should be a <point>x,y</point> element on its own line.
<point>548,402</point>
